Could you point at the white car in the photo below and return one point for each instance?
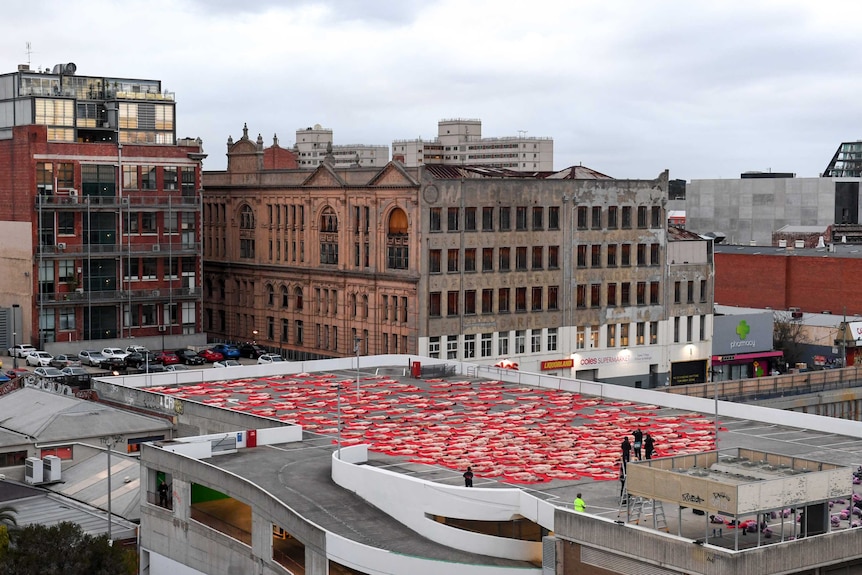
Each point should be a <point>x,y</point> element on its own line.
<point>227,363</point>
<point>21,349</point>
<point>136,349</point>
<point>110,352</point>
<point>270,358</point>
<point>176,367</point>
<point>39,358</point>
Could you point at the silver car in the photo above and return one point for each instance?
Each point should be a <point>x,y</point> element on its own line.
<point>91,357</point>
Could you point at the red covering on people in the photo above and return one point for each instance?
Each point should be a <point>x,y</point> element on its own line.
<point>514,434</point>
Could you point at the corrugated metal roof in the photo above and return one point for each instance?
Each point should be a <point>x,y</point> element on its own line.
<point>45,416</point>
<point>446,172</point>
<point>35,506</point>
<point>87,481</point>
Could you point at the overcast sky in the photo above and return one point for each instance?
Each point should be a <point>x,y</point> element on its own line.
<point>628,87</point>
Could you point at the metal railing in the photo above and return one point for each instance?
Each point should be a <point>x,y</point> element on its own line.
<point>178,248</point>
<point>770,387</point>
<point>138,200</point>
<point>120,295</point>
<point>220,525</point>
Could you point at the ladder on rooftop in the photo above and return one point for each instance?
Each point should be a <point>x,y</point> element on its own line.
<point>643,507</point>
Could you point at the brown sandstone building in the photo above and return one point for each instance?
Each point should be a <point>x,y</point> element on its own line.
<point>564,272</point>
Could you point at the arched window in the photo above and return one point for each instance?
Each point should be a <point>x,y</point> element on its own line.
<point>297,292</point>
<point>396,240</point>
<point>353,304</point>
<point>328,237</point>
<point>270,295</point>
<point>365,305</point>
<point>246,218</point>
<point>208,287</point>
<point>284,297</point>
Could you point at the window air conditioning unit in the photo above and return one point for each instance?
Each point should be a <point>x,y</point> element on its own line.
<point>155,293</point>
<point>52,468</point>
<point>125,201</point>
<point>73,193</point>
<point>796,314</point>
<point>156,247</point>
<point>163,328</point>
<point>61,245</point>
<point>33,470</point>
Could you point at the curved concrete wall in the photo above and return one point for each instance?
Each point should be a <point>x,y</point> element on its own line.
<point>409,499</point>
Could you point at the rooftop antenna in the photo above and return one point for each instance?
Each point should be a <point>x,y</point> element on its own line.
<point>28,51</point>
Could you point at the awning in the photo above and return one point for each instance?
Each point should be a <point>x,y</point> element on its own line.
<point>743,357</point>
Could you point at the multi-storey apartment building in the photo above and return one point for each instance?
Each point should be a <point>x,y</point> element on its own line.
<point>564,273</point>
<point>101,218</point>
<point>459,142</point>
<point>314,143</point>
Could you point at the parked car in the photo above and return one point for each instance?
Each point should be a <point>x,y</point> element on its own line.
<point>136,349</point>
<point>270,358</point>
<point>210,355</point>
<point>251,350</point>
<point>153,368</point>
<point>17,372</point>
<point>228,351</point>
<point>113,363</point>
<point>21,349</point>
<point>49,372</point>
<point>167,358</point>
<point>176,367</point>
<point>90,357</point>
<point>114,352</point>
<point>77,376</point>
<point>139,359</point>
<point>39,358</point>
<point>189,357</point>
<point>65,360</point>
<point>227,363</point>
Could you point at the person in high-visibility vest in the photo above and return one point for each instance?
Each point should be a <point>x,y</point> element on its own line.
<point>580,506</point>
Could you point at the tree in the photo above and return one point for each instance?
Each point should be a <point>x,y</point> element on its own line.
<point>64,549</point>
<point>787,336</point>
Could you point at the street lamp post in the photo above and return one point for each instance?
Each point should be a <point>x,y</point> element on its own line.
<point>254,337</point>
<point>338,403</point>
<point>15,308</point>
<point>712,373</point>
<point>356,350</point>
<point>110,441</point>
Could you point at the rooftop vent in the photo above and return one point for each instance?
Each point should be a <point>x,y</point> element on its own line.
<point>67,69</point>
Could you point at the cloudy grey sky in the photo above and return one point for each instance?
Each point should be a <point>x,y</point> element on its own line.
<point>627,87</point>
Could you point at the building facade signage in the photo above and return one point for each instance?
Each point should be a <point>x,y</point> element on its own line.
<point>745,333</point>
<point>557,364</point>
<point>856,330</point>
<point>611,358</point>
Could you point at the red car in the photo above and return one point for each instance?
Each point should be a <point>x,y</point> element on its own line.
<point>210,355</point>
<point>167,358</point>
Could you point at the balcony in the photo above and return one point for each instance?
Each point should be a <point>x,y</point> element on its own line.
<point>66,250</point>
<point>70,199</point>
<point>120,296</point>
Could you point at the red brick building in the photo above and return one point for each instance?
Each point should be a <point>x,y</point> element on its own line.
<point>100,235</point>
<point>813,280</point>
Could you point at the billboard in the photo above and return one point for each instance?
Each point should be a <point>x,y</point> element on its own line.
<point>743,333</point>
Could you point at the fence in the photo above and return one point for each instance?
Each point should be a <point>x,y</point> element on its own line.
<point>774,386</point>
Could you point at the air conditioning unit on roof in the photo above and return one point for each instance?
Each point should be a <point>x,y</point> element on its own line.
<point>61,245</point>
<point>52,468</point>
<point>33,470</point>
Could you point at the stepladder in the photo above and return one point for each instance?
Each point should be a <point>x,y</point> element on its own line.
<point>641,508</point>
